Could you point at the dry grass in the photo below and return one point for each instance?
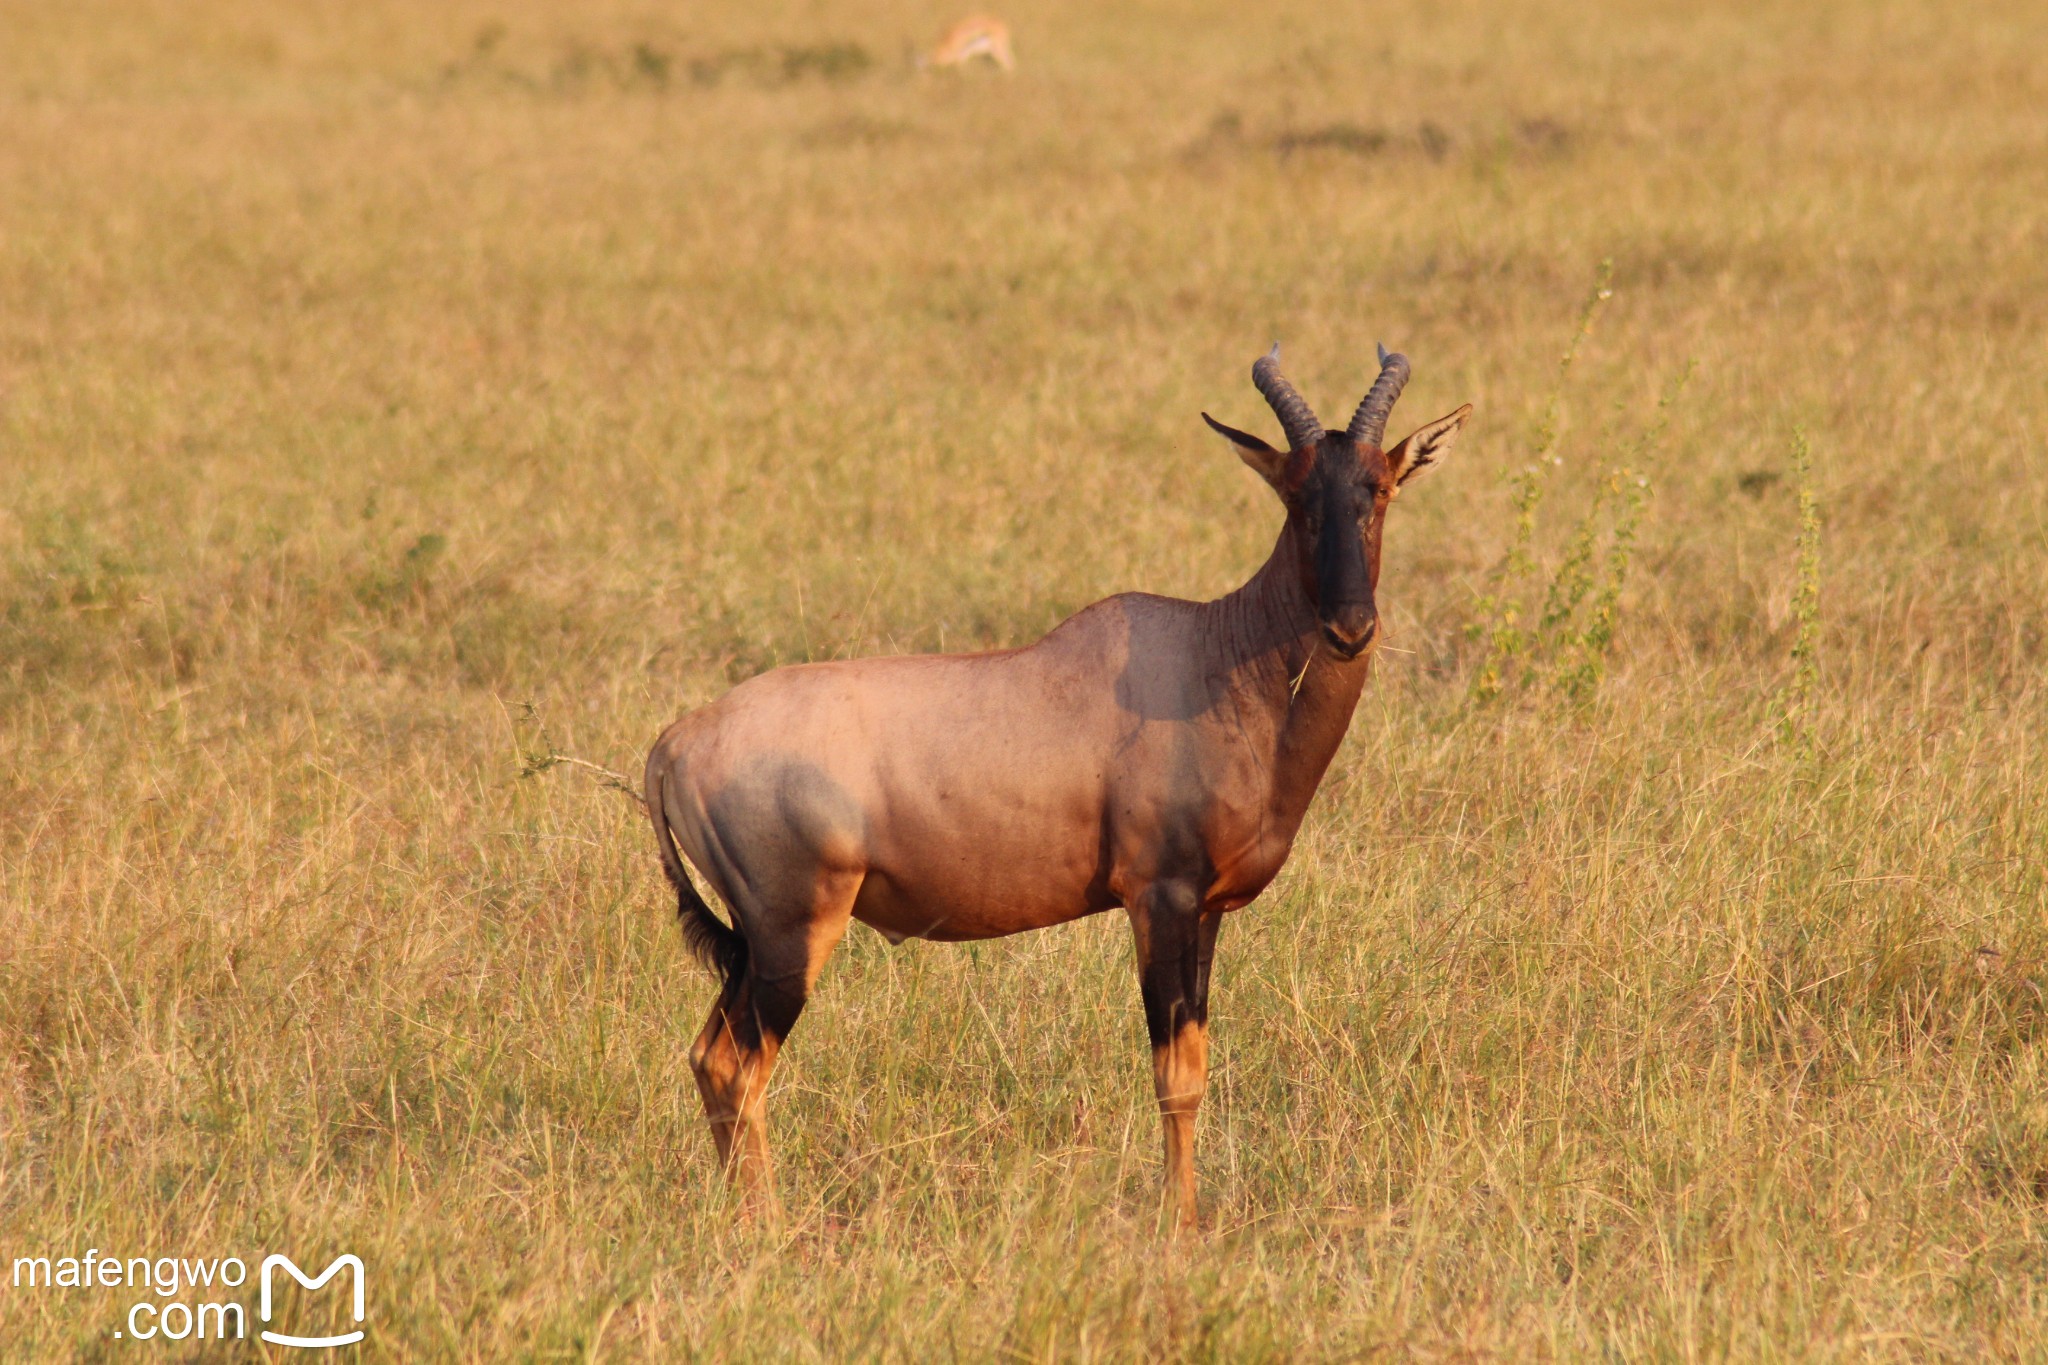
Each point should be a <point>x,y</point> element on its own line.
<point>370,372</point>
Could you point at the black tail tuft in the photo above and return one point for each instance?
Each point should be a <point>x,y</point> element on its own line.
<point>719,946</point>
<point>715,943</point>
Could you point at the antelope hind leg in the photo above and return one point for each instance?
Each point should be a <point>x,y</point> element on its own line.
<point>719,1061</point>
<point>735,1054</point>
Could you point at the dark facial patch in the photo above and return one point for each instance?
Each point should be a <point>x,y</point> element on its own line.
<point>1340,501</point>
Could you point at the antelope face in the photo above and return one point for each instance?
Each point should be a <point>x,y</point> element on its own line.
<point>1337,485</point>
<point>1341,508</point>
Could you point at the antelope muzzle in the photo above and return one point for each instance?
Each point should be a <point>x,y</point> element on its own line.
<point>1350,628</point>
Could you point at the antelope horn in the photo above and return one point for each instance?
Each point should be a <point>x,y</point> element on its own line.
<point>1369,423</point>
<point>1296,418</point>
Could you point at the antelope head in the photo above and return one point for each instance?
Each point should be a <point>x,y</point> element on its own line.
<point>1336,486</point>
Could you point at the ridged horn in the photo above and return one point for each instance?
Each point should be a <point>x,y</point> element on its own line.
<point>1369,423</point>
<point>1297,419</point>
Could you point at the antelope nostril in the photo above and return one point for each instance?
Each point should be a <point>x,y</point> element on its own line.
<point>1351,620</point>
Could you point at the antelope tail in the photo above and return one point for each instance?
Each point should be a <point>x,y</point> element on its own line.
<point>716,944</point>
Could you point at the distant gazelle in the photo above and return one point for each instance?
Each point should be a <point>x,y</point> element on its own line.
<point>1149,754</point>
<point>978,35</point>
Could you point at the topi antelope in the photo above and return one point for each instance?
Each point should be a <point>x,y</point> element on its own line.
<point>1149,754</point>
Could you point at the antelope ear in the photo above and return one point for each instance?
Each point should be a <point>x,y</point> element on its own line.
<point>1425,446</point>
<point>1268,463</point>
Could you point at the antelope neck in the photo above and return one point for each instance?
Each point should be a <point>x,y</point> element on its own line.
<point>1265,641</point>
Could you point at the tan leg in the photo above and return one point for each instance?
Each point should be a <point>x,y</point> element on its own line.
<point>780,844</point>
<point>732,1059</point>
<point>735,1054</point>
<point>1180,1075</point>
<point>1176,944</point>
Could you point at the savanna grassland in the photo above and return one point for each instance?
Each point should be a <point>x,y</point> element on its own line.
<point>393,398</point>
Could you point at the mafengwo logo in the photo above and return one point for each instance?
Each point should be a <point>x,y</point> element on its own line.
<point>173,1282</point>
<point>335,1267</point>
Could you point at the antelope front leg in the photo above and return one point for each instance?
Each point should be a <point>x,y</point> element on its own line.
<point>1176,941</point>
